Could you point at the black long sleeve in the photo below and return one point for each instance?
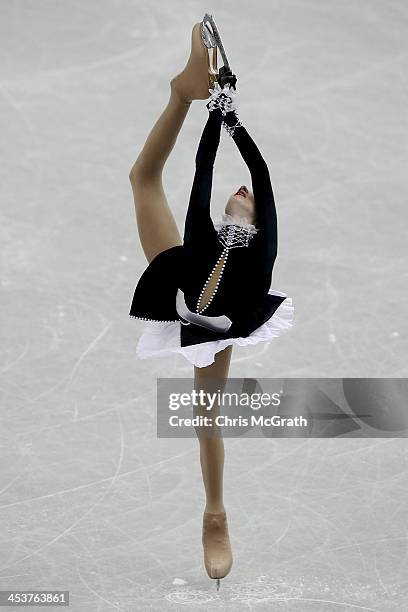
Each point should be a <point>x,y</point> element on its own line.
<point>198,219</point>
<point>265,209</point>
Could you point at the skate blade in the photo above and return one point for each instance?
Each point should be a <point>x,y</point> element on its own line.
<point>211,45</point>
<point>208,19</point>
<point>207,37</point>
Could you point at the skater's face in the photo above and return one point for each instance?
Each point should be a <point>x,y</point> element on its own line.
<point>242,204</point>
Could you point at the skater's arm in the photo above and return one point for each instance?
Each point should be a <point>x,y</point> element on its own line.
<point>248,149</point>
<point>198,219</point>
<point>261,183</point>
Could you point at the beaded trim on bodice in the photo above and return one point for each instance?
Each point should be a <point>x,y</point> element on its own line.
<point>233,232</point>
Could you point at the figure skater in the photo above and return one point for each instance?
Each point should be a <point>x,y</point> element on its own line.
<point>201,295</point>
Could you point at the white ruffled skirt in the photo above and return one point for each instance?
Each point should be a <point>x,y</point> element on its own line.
<point>160,339</point>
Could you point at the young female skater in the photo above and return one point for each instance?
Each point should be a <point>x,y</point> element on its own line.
<point>202,295</point>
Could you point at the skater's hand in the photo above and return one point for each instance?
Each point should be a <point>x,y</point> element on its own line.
<point>228,79</point>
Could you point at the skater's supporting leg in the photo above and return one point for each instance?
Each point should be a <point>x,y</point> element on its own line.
<point>215,537</point>
<point>212,448</point>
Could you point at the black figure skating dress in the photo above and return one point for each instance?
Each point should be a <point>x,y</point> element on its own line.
<point>243,309</point>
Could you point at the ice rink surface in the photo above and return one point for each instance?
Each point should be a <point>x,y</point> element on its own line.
<point>90,500</point>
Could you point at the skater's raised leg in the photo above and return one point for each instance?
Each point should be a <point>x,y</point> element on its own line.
<point>157,227</point>
<point>193,81</point>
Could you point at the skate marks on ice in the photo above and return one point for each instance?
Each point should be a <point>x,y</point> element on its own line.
<point>258,590</point>
<point>267,590</point>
